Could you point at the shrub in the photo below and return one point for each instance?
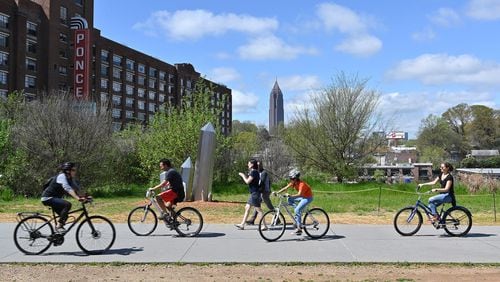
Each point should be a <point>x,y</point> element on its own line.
<point>6,194</point>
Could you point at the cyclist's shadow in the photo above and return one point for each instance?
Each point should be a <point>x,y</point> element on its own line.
<point>201,235</point>
<point>121,251</point>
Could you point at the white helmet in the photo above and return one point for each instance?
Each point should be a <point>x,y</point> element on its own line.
<point>294,174</point>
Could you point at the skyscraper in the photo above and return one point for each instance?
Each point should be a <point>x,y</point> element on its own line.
<point>276,115</point>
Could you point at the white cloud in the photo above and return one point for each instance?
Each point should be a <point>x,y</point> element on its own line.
<point>195,24</point>
<point>445,17</point>
<point>271,47</point>
<point>364,45</point>
<point>299,82</point>
<point>484,9</point>
<point>224,74</point>
<point>244,102</point>
<point>343,19</point>
<point>442,68</point>
<point>424,35</point>
<point>358,42</point>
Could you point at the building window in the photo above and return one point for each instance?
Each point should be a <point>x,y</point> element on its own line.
<point>63,15</point>
<point>129,102</point>
<point>141,116</point>
<point>129,114</point>
<point>3,94</point>
<point>170,89</point>
<point>161,98</point>
<point>151,95</point>
<point>117,73</point>
<point>104,98</point>
<point>152,72</point>
<point>129,77</point>
<point>162,86</point>
<point>140,105</point>
<point>30,64</point>
<point>31,28</point>
<point>104,55</point>
<point>63,54</point>
<point>4,59</point>
<point>117,100</point>
<point>130,64</point>
<point>141,92</point>
<point>151,107</point>
<point>63,70</point>
<point>152,83</point>
<point>104,83</point>
<point>30,82</point>
<point>117,60</point>
<point>63,37</point>
<point>4,40</point>
<point>3,77</point>
<point>129,89</point>
<point>141,79</point>
<point>117,113</point>
<point>104,70</point>
<point>117,86</point>
<point>79,2</point>
<point>4,21</point>
<point>31,46</point>
<point>171,79</point>
<point>141,68</point>
<point>163,75</point>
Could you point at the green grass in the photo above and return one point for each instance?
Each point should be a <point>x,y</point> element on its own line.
<point>358,199</point>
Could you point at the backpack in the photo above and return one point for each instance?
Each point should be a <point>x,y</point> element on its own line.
<point>48,182</point>
<point>262,182</point>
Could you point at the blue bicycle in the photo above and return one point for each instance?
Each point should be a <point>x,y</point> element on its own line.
<point>456,220</point>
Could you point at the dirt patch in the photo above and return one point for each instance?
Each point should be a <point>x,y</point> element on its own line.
<point>245,272</point>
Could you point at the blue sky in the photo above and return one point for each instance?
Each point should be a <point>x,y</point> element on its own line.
<point>422,57</point>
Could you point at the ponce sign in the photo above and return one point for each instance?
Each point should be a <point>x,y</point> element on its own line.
<point>82,63</point>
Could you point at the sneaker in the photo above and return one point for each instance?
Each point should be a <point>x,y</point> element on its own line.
<point>297,232</point>
<point>250,222</point>
<point>239,226</point>
<point>60,229</point>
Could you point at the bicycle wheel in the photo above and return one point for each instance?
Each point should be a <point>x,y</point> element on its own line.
<point>188,222</point>
<point>316,223</point>
<point>408,221</point>
<point>272,225</point>
<point>32,235</point>
<point>95,235</point>
<point>142,221</point>
<point>457,221</point>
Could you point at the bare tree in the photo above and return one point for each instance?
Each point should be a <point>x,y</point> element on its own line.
<point>337,132</point>
<point>55,129</point>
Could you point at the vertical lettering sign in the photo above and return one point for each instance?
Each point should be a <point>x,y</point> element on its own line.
<point>82,63</point>
<point>82,57</point>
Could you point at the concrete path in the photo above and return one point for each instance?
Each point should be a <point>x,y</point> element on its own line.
<point>224,243</point>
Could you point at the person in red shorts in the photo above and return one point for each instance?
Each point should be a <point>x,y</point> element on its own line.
<point>172,189</point>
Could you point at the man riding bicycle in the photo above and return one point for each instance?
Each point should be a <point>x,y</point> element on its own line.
<point>64,183</point>
<point>303,197</point>
<point>170,180</point>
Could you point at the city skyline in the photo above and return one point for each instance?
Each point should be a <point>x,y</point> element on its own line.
<point>421,57</point>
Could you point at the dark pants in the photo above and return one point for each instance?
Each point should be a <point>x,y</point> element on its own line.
<point>60,206</point>
<point>267,201</point>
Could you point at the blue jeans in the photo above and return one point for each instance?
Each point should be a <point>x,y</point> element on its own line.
<point>299,203</point>
<point>437,200</point>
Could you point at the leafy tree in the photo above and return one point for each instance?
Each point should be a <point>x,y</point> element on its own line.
<point>482,130</point>
<point>336,133</point>
<point>175,131</point>
<point>436,136</point>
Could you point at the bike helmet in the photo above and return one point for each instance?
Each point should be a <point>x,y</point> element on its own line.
<point>67,166</point>
<point>294,174</point>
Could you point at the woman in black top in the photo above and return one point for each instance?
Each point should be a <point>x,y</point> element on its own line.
<point>446,192</point>
<point>252,179</point>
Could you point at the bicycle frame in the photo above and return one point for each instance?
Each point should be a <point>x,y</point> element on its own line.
<point>285,205</point>
<point>54,217</point>
<point>425,208</point>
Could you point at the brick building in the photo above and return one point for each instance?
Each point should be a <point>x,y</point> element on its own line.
<point>37,55</point>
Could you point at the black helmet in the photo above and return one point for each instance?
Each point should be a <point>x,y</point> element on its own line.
<point>294,174</point>
<point>67,166</point>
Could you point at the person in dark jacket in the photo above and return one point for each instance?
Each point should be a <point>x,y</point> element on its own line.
<point>64,183</point>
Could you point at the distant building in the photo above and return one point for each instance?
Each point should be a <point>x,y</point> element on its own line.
<point>52,47</point>
<point>484,154</point>
<point>276,112</point>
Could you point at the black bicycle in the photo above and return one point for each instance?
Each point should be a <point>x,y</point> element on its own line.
<point>456,220</point>
<point>35,232</point>
<point>142,220</point>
